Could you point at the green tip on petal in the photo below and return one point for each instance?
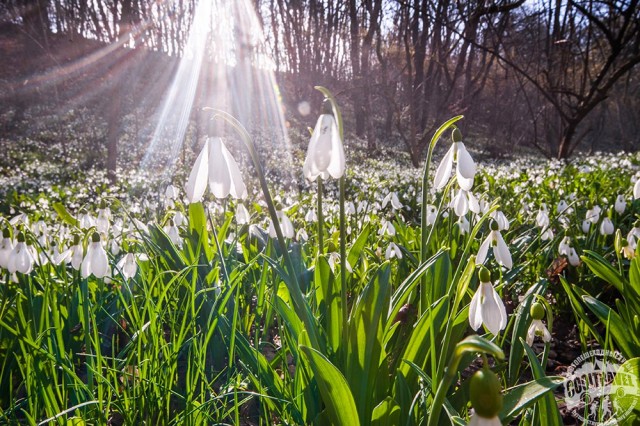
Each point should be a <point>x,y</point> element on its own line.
<point>537,311</point>
<point>494,225</point>
<point>456,136</point>
<point>95,237</point>
<point>484,275</point>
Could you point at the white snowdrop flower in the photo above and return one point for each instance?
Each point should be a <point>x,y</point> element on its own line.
<point>547,234</point>
<point>179,218</point>
<point>58,258</point>
<point>574,259</point>
<point>586,226</point>
<point>171,192</point>
<point>285,226</point>
<point>387,228</point>
<point>464,201</point>
<point>19,218</point>
<point>334,259</point>
<point>103,220</point>
<point>242,214</point>
<point>464,225</point>
<point>564,246</point>
<point>215,165</point>
<point>77,254</point>
<point>6,247</point>
<point>628,248</point>
<point>85,220</point>
<point>173,233</point>
<point>114,247</point>
<point>606,227</point>
<point>636,190</point>
<point>620,204</point>
<point>542,218</point>
<point>432,214</point>
<point>393,198</point>
<point>501,220</point>
<point>302,235</point>
<point>486,307</point>
<point>311,216</point>
<point>500,249</point>
<point>477,420</point>
<point>465,167</point>
<point>127,266</point>
<point>393,251</point>
<point>537,328</point>
<point>95,261</point>
<point>593,214</point>
<point>349,208</point>
<point>325,154</point>
<point>563,207</point>
<point>21,258</point>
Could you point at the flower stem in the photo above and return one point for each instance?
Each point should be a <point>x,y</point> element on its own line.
<point>320,218</point>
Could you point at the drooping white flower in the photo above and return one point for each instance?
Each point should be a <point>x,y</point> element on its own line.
<point>574,259</point>
<point>501,220</point>
<point>586,226</point>
<point>486,306</point>
<point>500,248</point>
<point>215,165</point>
<point>387,228</point>
<point>537,328</point>
<point>85,220</point>
<point>6,247</point>
<point>464,225</point>
<point>432,214</point>
<point>564,246</point>
<point>179,218</point>
<point>542,219</point>
<point>547,234</point>
<point>76,255</point>
<point>620,204</point>
<point>349,208</point>
<point>21,257</point>
<point>629,246</point>
<point>465,167</point>
<point>393,251</point>
<point>171,192</point>
<point>95,261</point>
<point>464,201</point>
<point>103,220</point>
<point>325,155</point>
<point>477,420</point>
<point>606,227</point>
<point>128,266</point>
<point>302,235</point>
<point>173,233</point>
<point>311,216</point>
<point>242,214</point>
<point>636,190</point>
<point>563,207</point>
<point>393,198</point>
<point>593,214</point>
<point>285,226</point>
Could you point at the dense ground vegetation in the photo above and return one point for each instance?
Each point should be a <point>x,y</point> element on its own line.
<point>137,302</point>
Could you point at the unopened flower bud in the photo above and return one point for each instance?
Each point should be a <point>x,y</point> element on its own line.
<point>494,225</point>
<point>456,136</point>
<point>485,392</point>
<point>6,233</point>
<point>95,237</point>
<point>537,311</point>
<point>21,238</point>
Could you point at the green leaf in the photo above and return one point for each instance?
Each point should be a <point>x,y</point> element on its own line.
<point>365,352</point>
<point>604,270</point>
<point>548,408</point>
<point>521,397</point>
<point>64,214</point>
<point>627,342</point>
<point>387,413</point>
<point>359,246</point>
<point>335,392</point>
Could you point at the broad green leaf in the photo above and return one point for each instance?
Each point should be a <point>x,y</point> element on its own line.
<point>387,413</point>
<point>358,246</point>
<point>604,270</point>
<point>521,397</point>
<point>335,392</point>
<point>548,408</point>
<point>64,214</point>
<point>627,342</point>
<point>365,352</point>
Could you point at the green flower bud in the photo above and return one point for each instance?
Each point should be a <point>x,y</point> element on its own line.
<point>486,395</point>
<point>95,237</point>
<point>21,238</point>
<point>484,275</point>
<point>6,233</point>
<point>456,136</point>
<point>494,225</point>
<point>537,311</point>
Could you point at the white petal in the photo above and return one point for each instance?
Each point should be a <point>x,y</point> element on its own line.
<point>444,170</point>
<point>483,250</point>
<point>465,165</point>
<point>475,309</point>
<point>238,188</point>
<point>501,252</point>
<point>337,165</point>
<point>460,203</point>
<point>636,190</point>
<point>219,172</point>
<point>99,261</point>
<point>531,333</point>
<point>491,309</point>
<point>197,182</point>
